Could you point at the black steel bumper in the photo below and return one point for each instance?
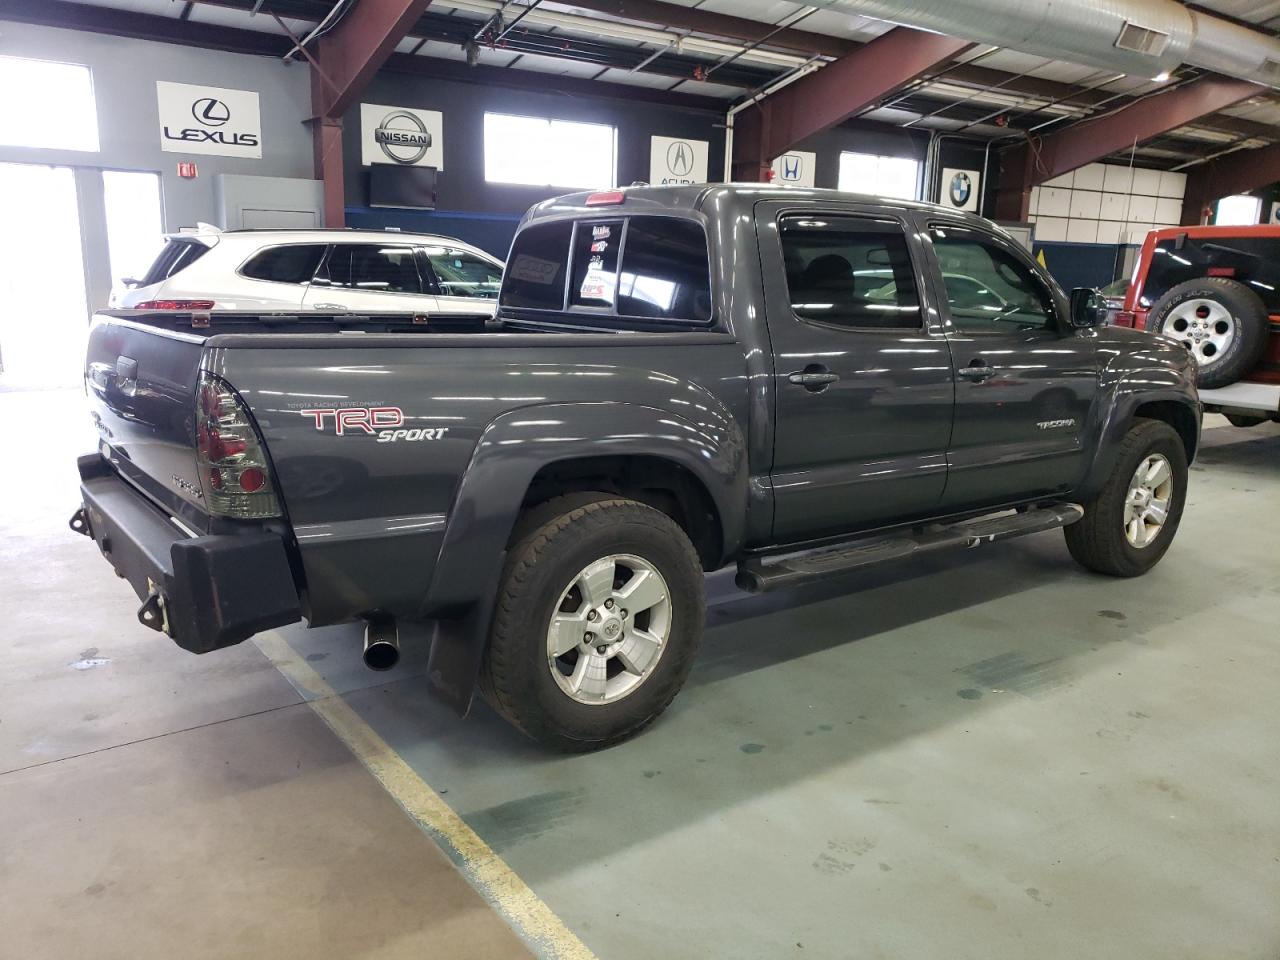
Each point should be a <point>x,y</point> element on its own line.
<point>203,592</point>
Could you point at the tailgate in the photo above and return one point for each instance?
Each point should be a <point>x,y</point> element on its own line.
<point>141,382</point>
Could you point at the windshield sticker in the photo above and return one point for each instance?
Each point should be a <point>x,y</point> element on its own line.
<point>533,269</point>
<point>600,246</point>
<point>600,232</point>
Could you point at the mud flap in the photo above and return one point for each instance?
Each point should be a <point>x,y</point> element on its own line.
<point>458,645</point>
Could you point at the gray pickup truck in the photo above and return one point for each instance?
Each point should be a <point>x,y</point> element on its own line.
<point>797,382</point>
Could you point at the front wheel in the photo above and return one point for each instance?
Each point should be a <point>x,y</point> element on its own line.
<point>1130,524</point>
<point>598,619</point>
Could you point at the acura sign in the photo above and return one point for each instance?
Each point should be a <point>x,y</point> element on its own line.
<point>401,135</point>
<point>676,160</point>
<point>208,120</point>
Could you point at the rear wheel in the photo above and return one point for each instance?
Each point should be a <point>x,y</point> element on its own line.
<point>1223,324</point>
<point>1130,524</point>
<point>597,623</point>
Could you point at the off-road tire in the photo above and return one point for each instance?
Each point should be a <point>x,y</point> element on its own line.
<point>1097,541</point>
<point>1247,312</point>
<point>552,543</point>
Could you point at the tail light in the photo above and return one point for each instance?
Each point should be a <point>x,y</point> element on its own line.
<point>234,472</point>
<point>174,305</point>
<point>1126,318</point>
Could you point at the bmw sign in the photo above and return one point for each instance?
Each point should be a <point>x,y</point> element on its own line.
<point>401,135</point>
<point>960,188</point>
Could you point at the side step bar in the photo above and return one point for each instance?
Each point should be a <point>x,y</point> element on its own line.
<point>761,574</point>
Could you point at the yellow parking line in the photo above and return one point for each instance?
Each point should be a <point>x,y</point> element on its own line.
<point>487,872</point>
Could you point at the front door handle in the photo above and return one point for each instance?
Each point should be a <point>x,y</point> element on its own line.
<point>813,378</point>
<point>977,371</point>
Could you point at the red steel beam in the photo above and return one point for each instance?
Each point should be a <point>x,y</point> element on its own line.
<point>345,60</point>
<point>834,94</point>
<point>1238,172</point>
<point>354,50</point>
<point>1031,164</point>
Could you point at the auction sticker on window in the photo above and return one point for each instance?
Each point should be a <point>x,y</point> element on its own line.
<point>533,269</point>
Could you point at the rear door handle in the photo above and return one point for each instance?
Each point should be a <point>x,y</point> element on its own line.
<point>977,371</point>
<point>813,378</point>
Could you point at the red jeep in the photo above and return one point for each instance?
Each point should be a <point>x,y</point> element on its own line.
<point>1217,291</point>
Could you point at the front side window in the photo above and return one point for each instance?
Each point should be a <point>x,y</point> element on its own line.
<point>463,274</point>
<point>988,288</point>
<point>372,268</point>
<point>850,272</point>
<point>295,263</point>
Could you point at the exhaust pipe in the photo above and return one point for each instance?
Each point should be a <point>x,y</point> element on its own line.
<point>381,644</point>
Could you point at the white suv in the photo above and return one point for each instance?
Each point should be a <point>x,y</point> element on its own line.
<point>328,271</point>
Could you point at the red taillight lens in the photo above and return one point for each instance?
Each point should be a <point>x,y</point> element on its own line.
<point>237,477</point>
<point>1125,318</point>
<point>252,480</point>
<point>174,305</point>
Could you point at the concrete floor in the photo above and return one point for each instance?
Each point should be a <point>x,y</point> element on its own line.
<point>988,755</point>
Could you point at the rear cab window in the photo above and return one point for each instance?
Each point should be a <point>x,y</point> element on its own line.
<point>641,271</point>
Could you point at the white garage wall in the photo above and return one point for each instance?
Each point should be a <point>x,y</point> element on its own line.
<point>1106,203</point>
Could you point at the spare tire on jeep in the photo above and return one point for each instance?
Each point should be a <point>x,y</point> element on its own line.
<point>1222,323</point>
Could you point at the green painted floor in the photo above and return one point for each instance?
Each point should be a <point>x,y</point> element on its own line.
<point>988,755</point>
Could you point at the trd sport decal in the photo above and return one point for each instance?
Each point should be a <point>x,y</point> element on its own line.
<point>382,421</point>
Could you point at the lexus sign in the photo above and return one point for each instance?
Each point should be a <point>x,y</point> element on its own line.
<point>209,120</point>
<point>401,135</point>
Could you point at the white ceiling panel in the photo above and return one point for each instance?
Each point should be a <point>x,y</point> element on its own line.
<point>263,22</point>
<point>639,79</point>
<point>705,88</point>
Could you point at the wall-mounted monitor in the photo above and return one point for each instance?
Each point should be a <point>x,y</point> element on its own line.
<point>410,188</point>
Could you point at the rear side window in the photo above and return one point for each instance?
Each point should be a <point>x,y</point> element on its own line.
<point>372,268</point>
<point>292,264</point>
<point>851,272</point>
<point>462,274</point>
<point>536,267</point>
<point>642,267</point>
<point>178,254</point>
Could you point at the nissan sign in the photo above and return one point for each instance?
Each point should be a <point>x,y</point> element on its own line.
<point>401,135</point>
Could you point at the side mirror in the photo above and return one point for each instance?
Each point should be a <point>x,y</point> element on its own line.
<point>1088,308</point>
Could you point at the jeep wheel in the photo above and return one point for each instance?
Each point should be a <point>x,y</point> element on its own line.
<point>1130,524</point>
<point>597,622</point>
<point>1223,324</point>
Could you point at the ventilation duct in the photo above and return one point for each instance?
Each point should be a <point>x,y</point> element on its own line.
<point>1139,37</point>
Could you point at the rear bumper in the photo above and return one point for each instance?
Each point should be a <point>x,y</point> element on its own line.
<point>203,592</point>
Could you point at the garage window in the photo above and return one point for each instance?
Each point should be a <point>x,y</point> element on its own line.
<point>549,153</point>
<point>896,177</point>
<point>56,110</point>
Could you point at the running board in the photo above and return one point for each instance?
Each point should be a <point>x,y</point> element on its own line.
<point>759,575</point>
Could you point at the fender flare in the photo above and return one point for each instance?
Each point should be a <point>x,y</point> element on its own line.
<point>1134,389</point>
<point>511,450</point>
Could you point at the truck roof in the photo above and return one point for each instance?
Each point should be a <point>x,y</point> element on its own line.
<point>701,195</point>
